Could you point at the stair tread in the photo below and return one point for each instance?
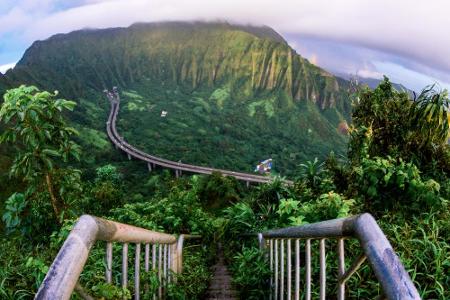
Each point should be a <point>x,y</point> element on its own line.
<point>222,294</point>
<point>221,287</point>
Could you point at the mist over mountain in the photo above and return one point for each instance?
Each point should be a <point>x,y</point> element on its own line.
<point>234,94</point>
<point>374,82</point>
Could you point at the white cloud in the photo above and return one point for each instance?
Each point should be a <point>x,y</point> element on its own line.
<point>4,68</point>
<point>417,29</point>
<point>15,20</point>
<point>416,80</point>
<point>412,29</point>
<point>339,58</point>
<point>366,73</point>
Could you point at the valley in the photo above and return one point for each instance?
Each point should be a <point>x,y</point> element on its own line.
<point>240,98</point>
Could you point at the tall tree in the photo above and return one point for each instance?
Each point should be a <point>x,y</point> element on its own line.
<point>36,126</point>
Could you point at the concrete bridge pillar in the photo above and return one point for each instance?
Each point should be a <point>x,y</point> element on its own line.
<point>129,156</point>
<point>248,184</point>
<point>149,165</point>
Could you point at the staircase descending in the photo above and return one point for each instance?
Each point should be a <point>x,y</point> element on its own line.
<point>290,279</point>
<point>221,287</point>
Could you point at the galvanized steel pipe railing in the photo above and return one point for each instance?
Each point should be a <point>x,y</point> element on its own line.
<point>163,252</point>
<point>284,247</point>
<point>178,260</point>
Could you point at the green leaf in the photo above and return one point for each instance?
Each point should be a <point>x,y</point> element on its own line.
<point>48,163</point>
<point>51,152</point>
<point>70,105</point>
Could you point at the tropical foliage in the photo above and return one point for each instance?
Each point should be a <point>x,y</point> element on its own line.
<point>397,169</point>
<point>34,121</point>
<point>234,95</point>
<point>389,173</point>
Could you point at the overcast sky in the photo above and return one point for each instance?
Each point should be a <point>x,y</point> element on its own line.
<point>408,40</point>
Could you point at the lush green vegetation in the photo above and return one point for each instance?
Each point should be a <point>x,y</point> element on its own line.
<point>242,96</point>
<point>34,121</point>
<point>397,169</point>
<point>230,134</point>
<point>235,95</point>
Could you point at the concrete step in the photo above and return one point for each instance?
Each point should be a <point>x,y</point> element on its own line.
<point>230,294</point>
<point>221,286</point>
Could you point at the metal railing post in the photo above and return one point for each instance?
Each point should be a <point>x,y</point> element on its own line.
<point>261,242</point>
<point>341,269</point>
<point>282,270</point>
<point>108,274</point>
<point>390,272</point>
<point>62,277</point>
<point>297,269</point>
<point>289,270</point>
<point>137,273</point>
<point>308,268</point>
<point>323,274</point>
<point>124,265</point>
<point>276,269</point>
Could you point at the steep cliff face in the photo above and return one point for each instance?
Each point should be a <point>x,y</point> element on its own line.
<point>251,60</point>
<point>234,94</point>
<point>3,84</point>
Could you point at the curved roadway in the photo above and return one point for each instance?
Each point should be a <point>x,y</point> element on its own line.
<point>151,160</point>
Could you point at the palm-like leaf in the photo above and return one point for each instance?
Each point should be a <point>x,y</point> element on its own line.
<point>311,171</point>
<point>431,115</point>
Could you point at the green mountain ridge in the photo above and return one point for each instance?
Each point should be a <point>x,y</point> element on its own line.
<point>229,89</point>
<point>178,52</point>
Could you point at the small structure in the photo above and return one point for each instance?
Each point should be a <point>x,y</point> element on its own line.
<point>264,167</point>
<point>113,95</point>
<point>163,114</point>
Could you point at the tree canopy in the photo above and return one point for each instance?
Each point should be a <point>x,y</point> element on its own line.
<point>387,123</point>
<point>36,125</point>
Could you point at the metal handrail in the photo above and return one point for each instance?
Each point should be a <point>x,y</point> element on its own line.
<point>63,275</point>
<point>179,258</point>
<point>389,270</point>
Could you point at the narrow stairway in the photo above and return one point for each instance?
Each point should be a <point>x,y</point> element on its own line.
<point>221,286</point>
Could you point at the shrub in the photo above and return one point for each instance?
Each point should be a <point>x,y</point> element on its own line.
<point>251,273</point>
<point>15,206</point>
<point>388,183</point>
<point>329,206</point>
<point>179,212</point>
